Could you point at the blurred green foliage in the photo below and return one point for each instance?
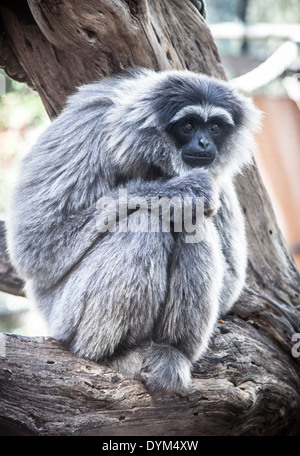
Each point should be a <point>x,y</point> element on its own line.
<point>21,107</point>
<point>22,119</point>
<point>275,11</point>
<point>252,12</point>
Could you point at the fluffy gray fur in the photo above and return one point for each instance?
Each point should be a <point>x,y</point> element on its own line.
<point>144,303</point>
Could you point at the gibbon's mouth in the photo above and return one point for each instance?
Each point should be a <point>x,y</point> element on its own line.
<point>196,160</point>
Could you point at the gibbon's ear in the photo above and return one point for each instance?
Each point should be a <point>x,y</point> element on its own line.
<point>252,116</point>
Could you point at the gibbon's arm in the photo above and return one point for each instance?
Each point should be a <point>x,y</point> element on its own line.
<point>46,246</point>
<point>196,183</point>
<point>45,249</point>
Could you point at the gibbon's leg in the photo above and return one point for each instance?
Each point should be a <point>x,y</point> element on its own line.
<point>230,224</point>
<point>120,286</point>
<point>186,320</point>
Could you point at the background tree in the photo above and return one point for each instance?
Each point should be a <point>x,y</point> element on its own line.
<point>248,383</point>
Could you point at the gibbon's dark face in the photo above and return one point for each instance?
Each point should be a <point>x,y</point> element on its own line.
<point>200,137</point>
<point>162,124</point>
<point>200,115</point>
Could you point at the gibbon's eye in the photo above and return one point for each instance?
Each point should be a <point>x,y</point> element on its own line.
<point>214,128</point>
<point>188,127</point>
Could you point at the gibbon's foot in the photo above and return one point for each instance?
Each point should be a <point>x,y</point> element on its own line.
<point>166,370</point>
<point>129,364</point>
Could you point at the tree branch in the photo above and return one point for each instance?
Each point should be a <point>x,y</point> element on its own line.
<point>237,389</point>
<point>61,45</point>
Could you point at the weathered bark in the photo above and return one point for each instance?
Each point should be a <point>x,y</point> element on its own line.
<point>245,385</point>
<point>248,382</point>
<point>63,44</point>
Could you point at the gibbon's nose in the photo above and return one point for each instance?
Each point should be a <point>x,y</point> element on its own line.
<point>204,143</point>
<point>206,148</point>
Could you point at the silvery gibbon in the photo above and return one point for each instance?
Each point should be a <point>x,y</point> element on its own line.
<point>142,300</point>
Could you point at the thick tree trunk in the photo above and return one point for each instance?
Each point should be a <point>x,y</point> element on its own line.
<point>248,383</point>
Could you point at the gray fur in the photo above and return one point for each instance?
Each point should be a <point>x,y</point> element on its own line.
<point>144,303</point>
